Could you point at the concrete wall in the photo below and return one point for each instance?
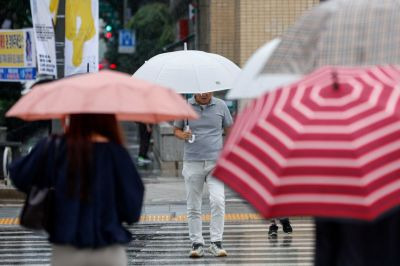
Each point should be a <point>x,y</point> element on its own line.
<point>238,27</point>
<point>168,150</point>
<point>264,20</point>
<point>222,16</point>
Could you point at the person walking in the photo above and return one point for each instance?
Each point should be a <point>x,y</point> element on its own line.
<point>203,142</point>
<point>97,189</point>
<point>273,228</point>
<point>145,131</point>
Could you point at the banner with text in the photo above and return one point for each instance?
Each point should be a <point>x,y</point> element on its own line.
<point>17,55</point>
<point>81,36</point>
<point>44,37</point>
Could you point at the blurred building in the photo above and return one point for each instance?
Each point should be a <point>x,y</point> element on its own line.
<point>236,28</point>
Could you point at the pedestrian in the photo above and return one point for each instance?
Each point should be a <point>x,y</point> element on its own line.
<point>97,189</point>
<point>203,142</point>
<point>347,242</point>
<point>145,131</point>
<point>273,228</point>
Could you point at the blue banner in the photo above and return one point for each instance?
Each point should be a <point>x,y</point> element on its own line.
<point>17,74</point>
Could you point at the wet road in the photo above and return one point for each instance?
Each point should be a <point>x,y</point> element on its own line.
<point>246,242</point>
<point>166,243</point>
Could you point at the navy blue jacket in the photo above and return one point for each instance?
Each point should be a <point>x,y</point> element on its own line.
<point>116,194</point>
<point>346,242</point>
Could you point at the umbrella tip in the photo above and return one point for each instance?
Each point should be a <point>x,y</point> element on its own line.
<point>185,46</point>
<point>335,84</point>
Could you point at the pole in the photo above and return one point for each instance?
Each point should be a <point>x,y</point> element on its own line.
<point>60,38</point>
<point>126,13</point>
<point>60,54</point>
<point>196,25</point>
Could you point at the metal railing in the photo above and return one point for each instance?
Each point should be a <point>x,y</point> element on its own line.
<point>11,145</point>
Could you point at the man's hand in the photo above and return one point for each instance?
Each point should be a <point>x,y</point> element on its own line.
<point>148,128</point>
<point>180,134</point>
<point>227,130</point>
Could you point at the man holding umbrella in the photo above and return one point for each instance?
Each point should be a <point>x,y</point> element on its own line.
<point>203,142</point>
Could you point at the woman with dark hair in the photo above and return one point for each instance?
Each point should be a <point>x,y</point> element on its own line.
<point>97,188</point>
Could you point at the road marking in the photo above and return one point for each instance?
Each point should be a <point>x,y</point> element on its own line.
<point>167,218</point>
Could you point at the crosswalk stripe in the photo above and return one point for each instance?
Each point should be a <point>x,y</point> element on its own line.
<point>244,260</point>
<point>247,243</point>
<point>233,237</point>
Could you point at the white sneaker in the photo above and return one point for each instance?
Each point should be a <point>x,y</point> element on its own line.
<point>197,251</point>
<point>217,250</point>
<point>143,161</point>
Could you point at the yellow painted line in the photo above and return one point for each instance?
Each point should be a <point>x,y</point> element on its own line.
<point>204,217</point>
<point>167,218</point>
<point>9,221</point>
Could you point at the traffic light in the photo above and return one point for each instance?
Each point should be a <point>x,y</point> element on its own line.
<point>108,31</point>
<point>108,35</point>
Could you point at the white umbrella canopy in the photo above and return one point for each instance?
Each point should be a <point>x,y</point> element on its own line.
<point>250,83</point>
<point>190,71</point>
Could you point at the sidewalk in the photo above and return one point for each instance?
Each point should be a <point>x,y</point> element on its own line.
<point>164,197</point>
<point>9,194</point>
<point>165,201</point>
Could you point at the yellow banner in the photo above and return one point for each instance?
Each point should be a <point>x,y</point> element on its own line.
<point>16,48</point>
<point>12,49</point>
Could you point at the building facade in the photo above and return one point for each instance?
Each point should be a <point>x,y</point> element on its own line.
<point>236,28</point>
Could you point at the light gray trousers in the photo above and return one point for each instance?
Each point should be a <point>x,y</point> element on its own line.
<point>108,256</point>
<point>196,173</point>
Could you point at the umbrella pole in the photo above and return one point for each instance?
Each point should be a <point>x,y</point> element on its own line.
<point>187,100</point>
<point>335,84</point>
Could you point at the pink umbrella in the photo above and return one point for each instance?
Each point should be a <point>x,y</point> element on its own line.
<point>108,92</point>
<point>328,145</point>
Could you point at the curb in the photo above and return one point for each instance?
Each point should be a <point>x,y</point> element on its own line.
<point>11,194</point>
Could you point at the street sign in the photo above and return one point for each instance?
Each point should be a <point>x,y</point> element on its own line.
<point>127,41</point>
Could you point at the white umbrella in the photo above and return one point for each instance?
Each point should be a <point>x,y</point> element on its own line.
<point>190,71</point>
<point>250,83</point>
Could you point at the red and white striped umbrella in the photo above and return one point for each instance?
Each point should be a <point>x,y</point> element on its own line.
<point>328,145</point>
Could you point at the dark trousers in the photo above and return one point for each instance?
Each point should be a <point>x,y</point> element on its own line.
<point>144,137</point>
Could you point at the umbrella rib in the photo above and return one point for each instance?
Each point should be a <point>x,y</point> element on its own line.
<point>159,72</point>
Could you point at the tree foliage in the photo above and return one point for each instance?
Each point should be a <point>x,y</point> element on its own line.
<point>17,11</point>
